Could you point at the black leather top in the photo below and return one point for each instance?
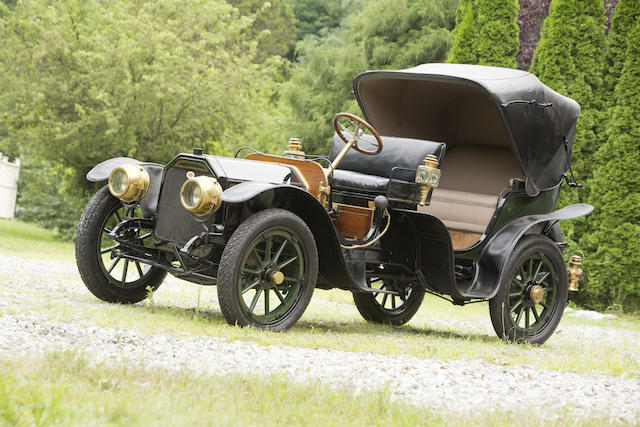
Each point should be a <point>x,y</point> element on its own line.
<point>359,171</point>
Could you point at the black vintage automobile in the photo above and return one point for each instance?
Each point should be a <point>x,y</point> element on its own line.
<point>386,215</point>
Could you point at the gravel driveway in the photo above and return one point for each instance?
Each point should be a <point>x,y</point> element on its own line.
<point>459,386</point>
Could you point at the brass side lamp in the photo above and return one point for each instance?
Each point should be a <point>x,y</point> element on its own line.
<point>574,272</point>
<point>427,177</point>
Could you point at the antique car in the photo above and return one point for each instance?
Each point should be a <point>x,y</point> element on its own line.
<point>449,187</point>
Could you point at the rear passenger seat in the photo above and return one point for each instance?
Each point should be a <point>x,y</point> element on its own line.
<point>473,176</point>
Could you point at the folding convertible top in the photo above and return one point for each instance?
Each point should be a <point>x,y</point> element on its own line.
<point>473,104</point>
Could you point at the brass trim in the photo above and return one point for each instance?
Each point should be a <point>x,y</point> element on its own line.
<point>137,183</point>
<point>536,294</point>
<point>210,195</point>
<point>277,277</point>
<point>427,177</point>
<point>574,272</point>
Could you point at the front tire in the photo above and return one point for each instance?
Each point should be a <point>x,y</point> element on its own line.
<point>268,271</point>
<point>533,293</point>
<point>382,307</point>
<point>103,270</point>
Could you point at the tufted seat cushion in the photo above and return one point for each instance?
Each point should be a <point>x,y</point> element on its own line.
<point>367,173</point>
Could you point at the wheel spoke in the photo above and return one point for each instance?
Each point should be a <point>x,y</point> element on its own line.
<point>110,248</point>
<point>522,274</point>
<point>107,230</point>
<point>255,300</point>
<point>118,217</point>
<point>290,279</point>
<point>517,322</point>
<point>384,300</point>
<point>518,282</point>
<point>279,252</point>
<point>535,313</point>
<point>139,269</point>
<point>278,294</point>
<point>124,271</point>
<point>144,236</point>
<point>515,307</point>
<point>257,255</point>
<point>267,250</point>
<point>526,317</point>
<point>250,286</point>
<point>515,294</point>
<point>251,270</point>
<point>266,301</point>
<point>543,277</point>
<point>529,278</point>
<point>112,266</point>
<point>287,262</point>
<point>393,301</point>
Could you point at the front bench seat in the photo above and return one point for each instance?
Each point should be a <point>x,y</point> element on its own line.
<point>371,174</point>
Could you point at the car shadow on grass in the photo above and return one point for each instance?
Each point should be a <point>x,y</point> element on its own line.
<point>314,326</point>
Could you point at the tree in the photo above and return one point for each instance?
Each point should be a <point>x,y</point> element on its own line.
<point>273,26</point>
<point>384,34</point>
<point>569,59</point>
<point>625,16</point>
<point>486,33</point>
<point>315,16</point>
<point>613,245</point>
<point>530,18</point>
<point>88,80</point>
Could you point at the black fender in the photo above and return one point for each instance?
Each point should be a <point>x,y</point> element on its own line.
<point>260,195</point>
<point>490,262</point>
<point>149,202</point>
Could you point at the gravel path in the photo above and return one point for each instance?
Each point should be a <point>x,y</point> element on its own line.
<point>458,386</point>
<point>463,386</point>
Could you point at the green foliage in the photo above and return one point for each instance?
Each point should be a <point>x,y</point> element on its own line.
<point>625,16</point>
<point>314,17</point>
<point>569,59</point>
<point>273,25</point>
<point>613,245</point>
<point>88,80</point>
<point>51,196</point>
<point>382,34</point>
<point>486,33</point>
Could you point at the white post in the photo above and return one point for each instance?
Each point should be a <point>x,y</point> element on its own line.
<point>8,186</point>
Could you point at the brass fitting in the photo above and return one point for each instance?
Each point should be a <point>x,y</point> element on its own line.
<point>427,177</point>
<point>574,272</point>
<point>294,149</point>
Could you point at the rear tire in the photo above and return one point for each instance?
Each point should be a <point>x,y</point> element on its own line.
<point>104,210</point>
<point>268,271</point>
<point>386,308</point>
<point>533,293</point>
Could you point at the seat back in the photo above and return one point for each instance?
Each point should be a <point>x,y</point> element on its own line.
<point>396,152</point>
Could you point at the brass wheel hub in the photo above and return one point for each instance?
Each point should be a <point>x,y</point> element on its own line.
<point>536,294</point>
<point>274,276</point>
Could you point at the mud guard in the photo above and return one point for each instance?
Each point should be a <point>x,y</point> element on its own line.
<point>149,202</point>
<point>489,266</point>
<point>332,265</point>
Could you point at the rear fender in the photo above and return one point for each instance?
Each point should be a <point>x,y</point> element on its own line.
<point>149,202</point>
<point>254,196</point>
<point>495,254</point>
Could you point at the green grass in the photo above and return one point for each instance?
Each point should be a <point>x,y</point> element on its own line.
<point>31,241</point>
<point>439,330</point>
<point>64,389</point>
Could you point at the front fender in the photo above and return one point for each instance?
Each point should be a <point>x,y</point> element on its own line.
<point>149,202</point>
<point>332,265</point>
<point>491,261</point>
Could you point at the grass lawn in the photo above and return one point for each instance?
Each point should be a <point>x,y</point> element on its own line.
<point>439,330</point>
<point>63,389</point>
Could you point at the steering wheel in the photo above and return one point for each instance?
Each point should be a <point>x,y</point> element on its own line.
<point>354,132</point>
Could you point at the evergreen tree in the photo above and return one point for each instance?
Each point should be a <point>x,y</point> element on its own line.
<point>486,33</point>
<point>569,59</point>
<point>613,246</point>
<point>625,15</point>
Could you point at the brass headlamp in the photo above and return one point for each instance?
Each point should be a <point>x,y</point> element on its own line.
<point>201,195</point>
<point>428,177</point>
<point>129,183</point>
<point>574,272</point>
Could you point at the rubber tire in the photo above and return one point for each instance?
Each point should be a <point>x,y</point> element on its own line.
<point>502,323</point>
<point>229,267</point>
<point>89,230</point>
<point>372,312</point>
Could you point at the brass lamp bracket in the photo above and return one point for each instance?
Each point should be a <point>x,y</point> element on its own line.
<point>574,272</point>
<point>427,177</point>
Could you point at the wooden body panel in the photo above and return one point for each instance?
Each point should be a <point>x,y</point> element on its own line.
<point>353,222</point>
<point>312,172</point>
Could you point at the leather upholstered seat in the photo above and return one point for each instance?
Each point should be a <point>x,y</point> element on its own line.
<point>362,172</point>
